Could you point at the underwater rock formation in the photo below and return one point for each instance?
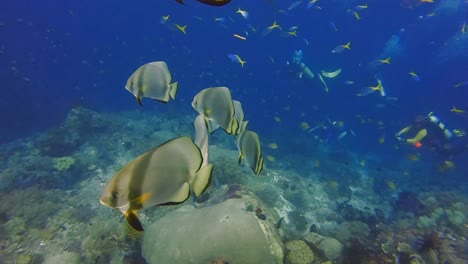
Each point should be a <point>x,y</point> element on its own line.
<point>226,230</point>
<point>332,248</point>
<point>299,252</point>
<point>327,247</point>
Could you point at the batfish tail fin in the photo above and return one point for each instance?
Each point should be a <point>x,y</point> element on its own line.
<point>173,88</point>
<point>202,179</point>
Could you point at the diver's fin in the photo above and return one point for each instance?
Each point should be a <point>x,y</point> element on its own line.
<point>133,221</point>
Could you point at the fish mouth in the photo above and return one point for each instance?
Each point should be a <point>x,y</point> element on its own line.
<point>103,203</point>
<point>125,206</point>
<point>122,208</point>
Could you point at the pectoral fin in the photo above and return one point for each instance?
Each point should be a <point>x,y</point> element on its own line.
<point>133,221</point>
<point>138,202</point>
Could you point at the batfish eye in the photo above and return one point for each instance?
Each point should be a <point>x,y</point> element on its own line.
<point>114,195</point>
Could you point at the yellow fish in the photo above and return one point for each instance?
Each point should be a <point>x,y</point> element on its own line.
<point>385,61</point>
<point>237,58</point>
<point>243,13</point>
<point>270,28</point>
<point>304,126</point>
<point>270,158</point>
<point>277,119</point>
<point>164,19</point>
<point>333,184</point>
<point>182,28</point>
<point>275,25</point>
<point>447,165</point>
<point>242,62</point>
<point>293,33</point>
<point>391,185</point>
<point>340,48</point>
<point>456,110</point>
<point>273,145</point>
<point>371,89</point>
<point>382,139</point>
<point>413,157</point>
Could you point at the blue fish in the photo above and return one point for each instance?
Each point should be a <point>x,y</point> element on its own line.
<point>236,58</point>
<point>233,57</point>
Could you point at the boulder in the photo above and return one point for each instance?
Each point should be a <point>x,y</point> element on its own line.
<point>331,248</point>
<point>222,232</point>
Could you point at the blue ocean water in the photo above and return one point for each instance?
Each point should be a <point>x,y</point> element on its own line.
<point>56,56</point>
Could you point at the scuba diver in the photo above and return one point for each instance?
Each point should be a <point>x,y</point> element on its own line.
<point>428,130</point>
<point>297,68</point>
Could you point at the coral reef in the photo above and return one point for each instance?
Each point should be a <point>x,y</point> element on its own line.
<point>49,212</point>
<point>105,243</point>
<point>353,229</point>
<point>63,163</point>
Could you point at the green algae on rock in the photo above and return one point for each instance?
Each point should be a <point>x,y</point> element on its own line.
<point>64,163</point>
<point>299,252</point>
